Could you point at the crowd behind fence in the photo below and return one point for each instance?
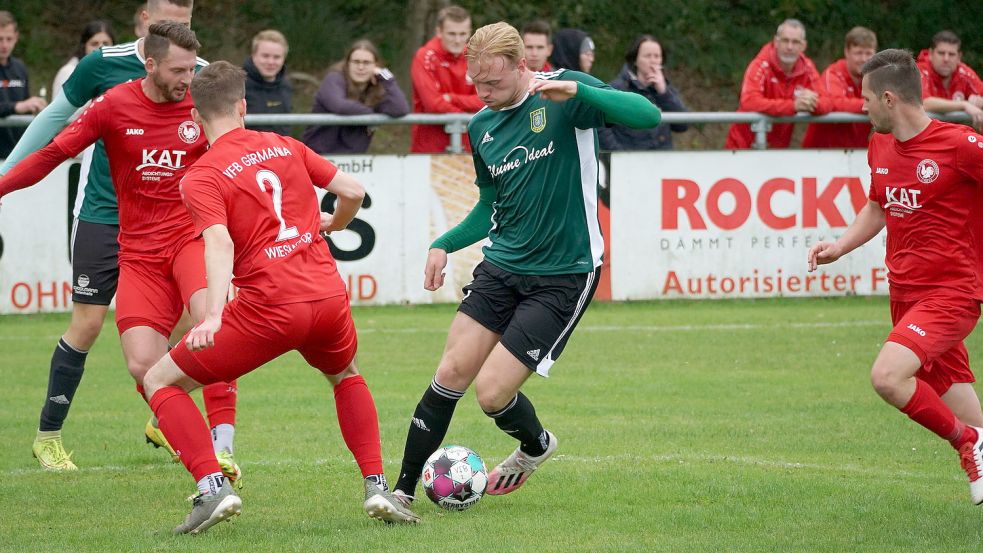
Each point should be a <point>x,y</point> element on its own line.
<point>456,124</point>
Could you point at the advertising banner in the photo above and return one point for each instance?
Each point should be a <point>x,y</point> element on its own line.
<point>737,224</point>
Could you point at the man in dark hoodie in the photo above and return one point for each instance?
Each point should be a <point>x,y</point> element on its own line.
<point>643,74</point>
<point>572,49</point>
<point>267,89</point>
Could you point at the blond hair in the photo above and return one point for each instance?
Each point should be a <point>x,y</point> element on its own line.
<point>497,39</point>
<point>270,35</point>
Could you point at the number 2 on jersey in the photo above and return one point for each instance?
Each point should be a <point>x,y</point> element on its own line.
<point>266,177</point>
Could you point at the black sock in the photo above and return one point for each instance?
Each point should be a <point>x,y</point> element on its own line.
<point>427,430</point>
<point>518,419</point>
<point>67,365</point>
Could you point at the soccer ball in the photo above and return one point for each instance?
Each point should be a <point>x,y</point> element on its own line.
<point>454,477</point>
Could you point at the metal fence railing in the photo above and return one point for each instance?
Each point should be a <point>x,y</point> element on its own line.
<point>456,124</point>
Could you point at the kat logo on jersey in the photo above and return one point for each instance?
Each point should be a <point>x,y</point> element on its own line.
<point>537,120</point>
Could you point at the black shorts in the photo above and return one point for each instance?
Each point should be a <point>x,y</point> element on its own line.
<point>534,314</point>
<point>95,262</point>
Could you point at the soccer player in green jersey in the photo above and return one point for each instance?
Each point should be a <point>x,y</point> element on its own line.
<point>95,270</point>
<point>535,155</point>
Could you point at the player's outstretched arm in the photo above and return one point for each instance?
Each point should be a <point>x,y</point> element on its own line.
<point>35,167</point>
<point>219,255</point>
<point>622,108</point>
<point>350,195</point>
<point>868,223</point>
<point>41,130</point>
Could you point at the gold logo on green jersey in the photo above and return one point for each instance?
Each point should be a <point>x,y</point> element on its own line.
<point>537,120</point>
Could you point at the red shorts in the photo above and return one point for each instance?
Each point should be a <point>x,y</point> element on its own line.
<point>153,292</point>
<point>251,335</point>
<point>934,328</point>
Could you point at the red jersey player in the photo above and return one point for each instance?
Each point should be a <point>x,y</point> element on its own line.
<point>925,176</point>
<point>251,198</point>
<point>150,140</point>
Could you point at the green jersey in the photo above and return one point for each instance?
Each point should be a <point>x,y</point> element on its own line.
<point>95,74</point>
<point>541,157</point>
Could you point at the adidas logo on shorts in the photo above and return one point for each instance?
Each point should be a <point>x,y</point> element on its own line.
<point>534,353</point>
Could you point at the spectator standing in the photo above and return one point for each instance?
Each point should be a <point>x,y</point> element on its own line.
<point>95,35</point>
<point>537,40</point>
<point>267,88</point>
<point>357,85</point>
<point>841,86</point>
<point>440,81</point>
<point>780,80</point>
<point>572,49</point>
<point>643,74</point>
<point>15,91</point>
<point>948,84</point>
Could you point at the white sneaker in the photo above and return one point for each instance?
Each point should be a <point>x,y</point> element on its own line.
<point>971,459</point>
<point>513,472</point>
<point>381,505</point>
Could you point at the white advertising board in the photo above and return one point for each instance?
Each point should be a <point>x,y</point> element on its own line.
<point>737,224</point>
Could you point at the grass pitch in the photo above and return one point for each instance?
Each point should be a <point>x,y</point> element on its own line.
<point>683,426</point>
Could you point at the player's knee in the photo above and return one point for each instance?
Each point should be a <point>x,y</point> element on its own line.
<point>454,375</point>
<point>336,378</point>
<point>884,378</point>
<point>139,367</point>
<point>492,398</point>
<point>152,382</point>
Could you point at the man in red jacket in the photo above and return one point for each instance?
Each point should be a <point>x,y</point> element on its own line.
<point>948,84</point>
<point>780,80</point>
<point>440,80</point>
<point>841,87</point>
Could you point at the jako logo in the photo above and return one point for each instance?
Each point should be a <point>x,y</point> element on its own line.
<point>134,132</point>
<point>916,329</point>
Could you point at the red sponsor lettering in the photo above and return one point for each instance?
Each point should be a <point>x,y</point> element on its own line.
<point>21,295</point>
<point>757,283</point>
<point>24,295</point>
<point>681,200</point>
<point>742,204</point>
<point>362,287</point>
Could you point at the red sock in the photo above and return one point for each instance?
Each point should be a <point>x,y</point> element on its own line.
<point>359,423</point>
<point>220,402</point>
<point>185,430</point>
<point>927,409</point>
<point>142,392</point>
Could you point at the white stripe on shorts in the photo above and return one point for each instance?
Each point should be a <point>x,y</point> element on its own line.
<point>543,368</point>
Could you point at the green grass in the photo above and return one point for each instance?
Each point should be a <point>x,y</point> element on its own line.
<point>684,426</point>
